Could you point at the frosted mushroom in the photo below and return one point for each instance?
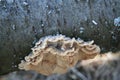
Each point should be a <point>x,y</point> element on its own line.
<point>56,54</point>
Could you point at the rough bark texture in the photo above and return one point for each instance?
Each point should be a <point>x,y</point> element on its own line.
<point>23,22</point>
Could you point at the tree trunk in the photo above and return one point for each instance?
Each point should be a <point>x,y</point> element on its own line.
<point>23,22</point>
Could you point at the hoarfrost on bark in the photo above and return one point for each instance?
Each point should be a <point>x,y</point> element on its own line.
<point>117,21</point>
<point>82,29</point>
<point>25,3</point>
<point>13,27</point>
<point>94,22</point>
<point>114,37</point>
<point>50,12</point>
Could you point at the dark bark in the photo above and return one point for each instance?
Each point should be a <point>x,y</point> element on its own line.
<point>23,22</point>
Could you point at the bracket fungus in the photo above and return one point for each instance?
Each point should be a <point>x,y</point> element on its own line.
<point>56,54</point>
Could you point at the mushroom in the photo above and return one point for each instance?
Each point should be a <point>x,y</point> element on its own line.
<point>56,54</point>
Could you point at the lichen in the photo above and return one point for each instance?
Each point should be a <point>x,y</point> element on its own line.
<point>56,54</point>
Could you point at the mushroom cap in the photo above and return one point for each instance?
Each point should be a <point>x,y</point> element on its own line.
<point>56,54</point>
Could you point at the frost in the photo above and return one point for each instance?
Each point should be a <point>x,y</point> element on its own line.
<point>14,66</point>
<point>117,21</point>
<point>49,12</point>
<point>114,37</point>
<point>94,22</point>
<point>4,6</point>
<point>46,6</point>
<point>82,29</point>
<point>13,27</point>
<point>111,32</point>
<point>42,24</point>
<point>25,3</point>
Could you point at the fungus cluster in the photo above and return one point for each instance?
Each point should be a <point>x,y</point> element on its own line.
<point>56,54</point>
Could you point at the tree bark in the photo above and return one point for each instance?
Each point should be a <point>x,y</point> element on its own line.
<point>23,22</point>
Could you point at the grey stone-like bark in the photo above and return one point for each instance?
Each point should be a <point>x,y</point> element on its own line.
<point>23,22</point>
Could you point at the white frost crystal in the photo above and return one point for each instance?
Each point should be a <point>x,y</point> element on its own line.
<point>117,21</point>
